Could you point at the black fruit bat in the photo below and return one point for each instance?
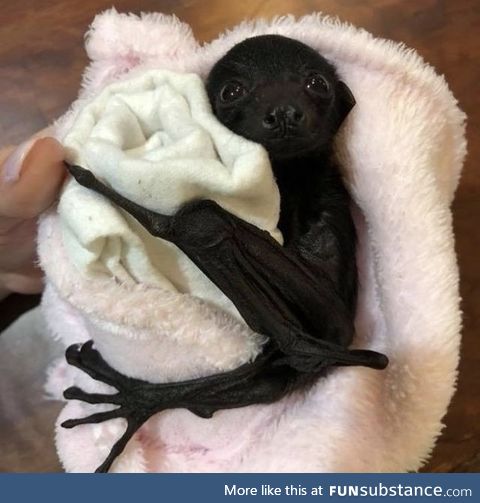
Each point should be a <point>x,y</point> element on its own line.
<point>281,93</point>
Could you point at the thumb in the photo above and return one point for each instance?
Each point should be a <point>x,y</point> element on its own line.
<point>30,178</point>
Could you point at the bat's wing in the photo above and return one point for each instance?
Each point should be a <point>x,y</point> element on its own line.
<point>274,290</point>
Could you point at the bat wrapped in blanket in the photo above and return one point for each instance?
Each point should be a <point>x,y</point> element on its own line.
<point>302,296</point>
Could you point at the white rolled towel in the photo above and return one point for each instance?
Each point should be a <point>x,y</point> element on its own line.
<point>155,140</point>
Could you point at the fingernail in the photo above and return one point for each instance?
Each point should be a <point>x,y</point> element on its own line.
<point>12,166</point>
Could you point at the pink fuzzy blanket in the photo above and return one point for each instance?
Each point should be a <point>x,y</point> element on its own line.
<point>402,149</point>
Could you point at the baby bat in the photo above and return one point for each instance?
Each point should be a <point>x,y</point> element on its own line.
<point>282,94</point>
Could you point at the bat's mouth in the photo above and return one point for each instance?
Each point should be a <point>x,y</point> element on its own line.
<point>291,145</point>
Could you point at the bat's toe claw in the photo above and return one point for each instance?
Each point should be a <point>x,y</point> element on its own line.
<point>72,393</point>
<point>76,353</point>
<point>89,360</point>
<point>69,423</point>
<point>88,355</point>
<point>72,353</point>
<point>99,417</point>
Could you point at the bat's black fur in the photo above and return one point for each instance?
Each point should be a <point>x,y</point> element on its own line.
<point>282,94</point>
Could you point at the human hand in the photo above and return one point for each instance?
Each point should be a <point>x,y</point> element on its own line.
<point>30,177</point>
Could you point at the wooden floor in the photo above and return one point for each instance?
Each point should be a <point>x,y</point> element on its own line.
<point>41,60</point>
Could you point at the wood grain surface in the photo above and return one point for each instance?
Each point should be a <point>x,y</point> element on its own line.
<point>41,61</point>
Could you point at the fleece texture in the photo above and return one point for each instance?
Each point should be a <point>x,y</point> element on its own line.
<point>402,149</point>
<point>154,139</point>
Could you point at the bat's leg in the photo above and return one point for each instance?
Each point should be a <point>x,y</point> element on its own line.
<point>90,361</point>
<point>155,223</point>
<point>264,388</point>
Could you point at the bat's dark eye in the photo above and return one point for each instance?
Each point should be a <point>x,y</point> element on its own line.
<point>232,91</point>
<point>317,84</point>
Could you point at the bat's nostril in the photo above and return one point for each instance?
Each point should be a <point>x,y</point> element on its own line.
<point>270,121</point>
<point>298,116</point>
<point>294,115</point>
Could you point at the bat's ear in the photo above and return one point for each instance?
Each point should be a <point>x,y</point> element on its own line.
<point>345,101</point>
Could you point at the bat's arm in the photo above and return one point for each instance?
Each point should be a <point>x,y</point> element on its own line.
<point>155,223</point>
<point>329,248</point>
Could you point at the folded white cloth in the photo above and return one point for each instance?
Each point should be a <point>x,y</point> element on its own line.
<point>155,140</point>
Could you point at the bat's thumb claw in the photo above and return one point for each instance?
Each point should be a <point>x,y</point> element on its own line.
<point>83,176</point>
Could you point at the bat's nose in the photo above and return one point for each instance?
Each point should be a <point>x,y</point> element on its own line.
<point>283,117</point>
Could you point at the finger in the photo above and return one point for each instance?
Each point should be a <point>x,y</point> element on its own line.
<point>30,179</point>
<point>29,281</point>
<point>18,269</point>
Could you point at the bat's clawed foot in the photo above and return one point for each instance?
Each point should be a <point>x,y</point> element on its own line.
<point>131,398</point>
<point>132,405</point>
<point>136,400</point>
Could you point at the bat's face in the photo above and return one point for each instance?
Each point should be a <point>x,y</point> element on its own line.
<point>281,93</point>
